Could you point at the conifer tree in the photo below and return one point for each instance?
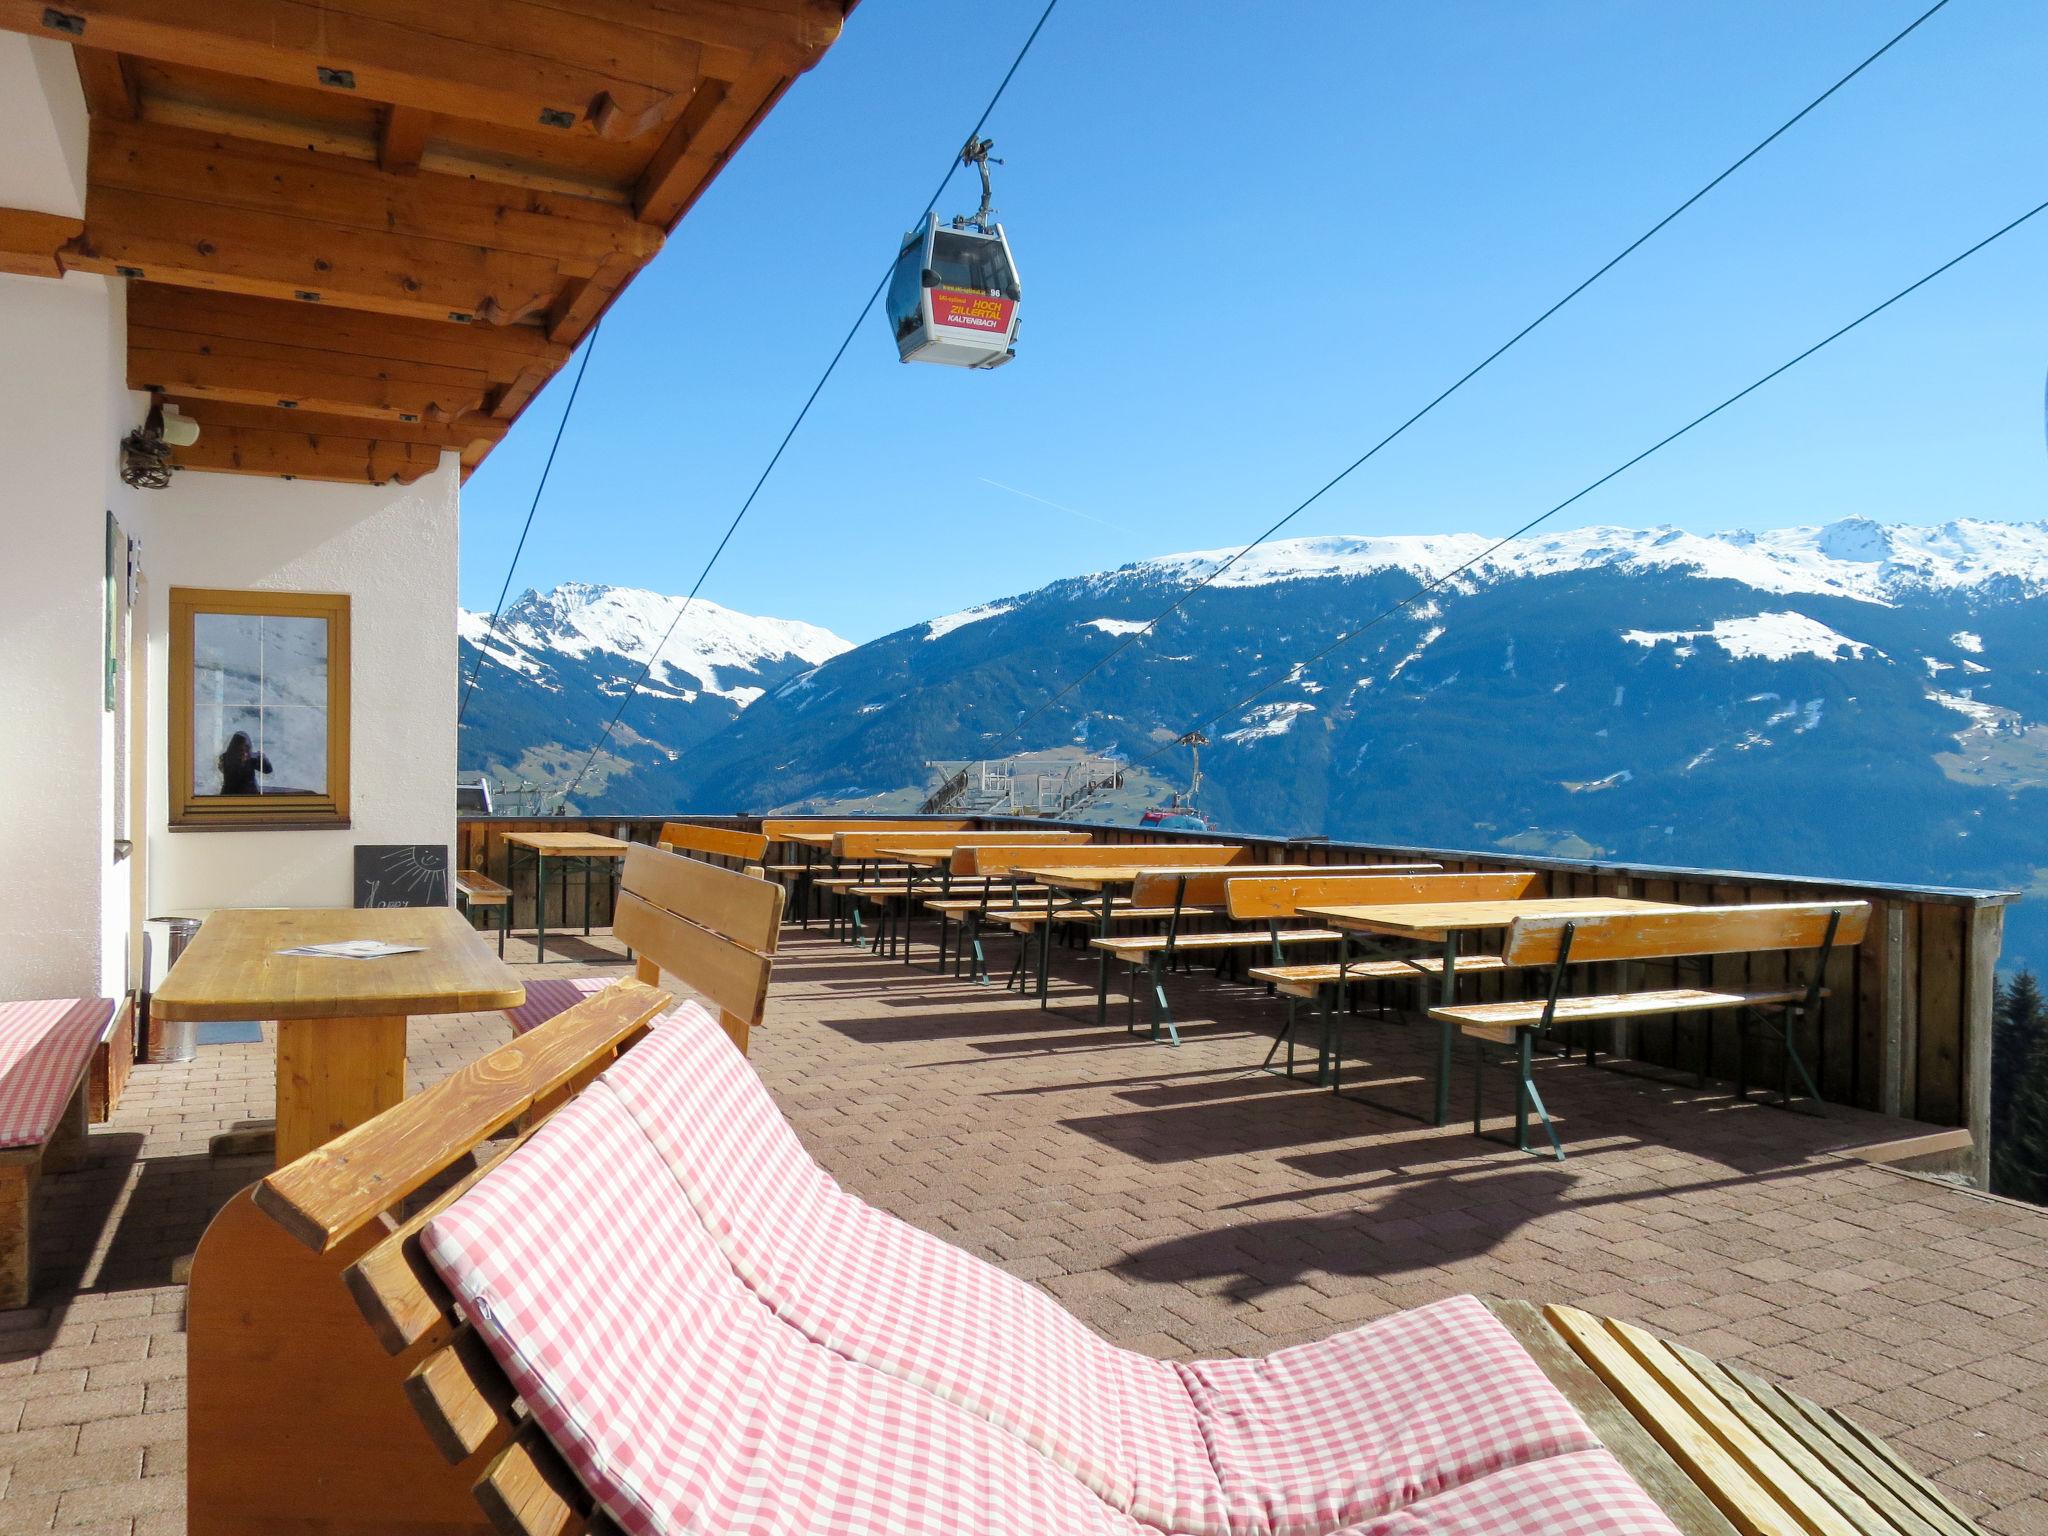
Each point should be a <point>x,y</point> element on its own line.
<point>2019,1091</point>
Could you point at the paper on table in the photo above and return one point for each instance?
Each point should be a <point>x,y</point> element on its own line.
<point>354,949</point>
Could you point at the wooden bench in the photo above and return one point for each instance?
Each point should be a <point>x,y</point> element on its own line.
<point>683,918</point>
<point>1720,1448</point>
<point>905,882</point>
<point>742,851</point>
<point>474,888</point>
<point>47,1050</point>
<point>405,1421</point>
<point>1278,900</point>
<point>1197,892</point>
<point>1561,943</point>
<point>779,829</point>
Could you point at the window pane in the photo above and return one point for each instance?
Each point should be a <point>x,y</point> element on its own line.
<point>259,697</point>
<point>974,262</point>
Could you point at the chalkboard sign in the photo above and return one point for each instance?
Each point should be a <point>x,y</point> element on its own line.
<point>402,875</point>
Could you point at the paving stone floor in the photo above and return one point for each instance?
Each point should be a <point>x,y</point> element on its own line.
<point>1179,1200</point>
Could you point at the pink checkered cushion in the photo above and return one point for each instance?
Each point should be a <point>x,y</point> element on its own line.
<point>682,1403</point>
<point>44,1049</point>
<point>1284,1445</point>
<point>878,1290</point>
<point>718,1337</point>
<point>557,994</point>
<point>1584,1492</point>
<point>1366,1422</point>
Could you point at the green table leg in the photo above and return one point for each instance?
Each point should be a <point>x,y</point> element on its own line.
<point>1102,961</point>
<point>540,907</point>
<point>1044,950</point>
<point>1445,1032</point>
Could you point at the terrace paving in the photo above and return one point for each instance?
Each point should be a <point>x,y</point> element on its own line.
<point>1180,1201</point>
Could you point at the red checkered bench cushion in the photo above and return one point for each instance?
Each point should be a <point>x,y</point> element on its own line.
<point>44,1049</point>
<point>553,995</point>
<point>1431,1421</point>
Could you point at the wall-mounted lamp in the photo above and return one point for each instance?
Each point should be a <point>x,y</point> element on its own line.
<point>146,452</point>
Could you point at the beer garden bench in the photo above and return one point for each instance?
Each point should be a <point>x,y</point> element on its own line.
<point>474,889</point>
<point>47,1052</point>
<point>1561,942</point>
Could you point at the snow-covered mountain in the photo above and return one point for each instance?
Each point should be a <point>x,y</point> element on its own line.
<point>557,663</point>
<point>1858,698</point>
<point>1856,558</point>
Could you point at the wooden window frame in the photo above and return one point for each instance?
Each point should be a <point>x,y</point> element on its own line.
<point>216,813</point>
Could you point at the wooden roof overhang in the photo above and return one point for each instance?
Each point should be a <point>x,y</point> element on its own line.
<point>358,232</point>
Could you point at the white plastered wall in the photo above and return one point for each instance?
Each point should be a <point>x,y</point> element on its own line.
<point>393,550</point>
<point>64,405</point>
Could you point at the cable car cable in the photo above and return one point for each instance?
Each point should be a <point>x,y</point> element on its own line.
<point>776,458</point>
<point>1435,582</point>
<point>1498,352</point>
<point>589,346</point>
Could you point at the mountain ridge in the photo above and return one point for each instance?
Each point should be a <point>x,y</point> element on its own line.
<point>1858,700</point>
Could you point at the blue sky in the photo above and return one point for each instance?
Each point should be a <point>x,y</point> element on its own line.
<point>1253,238</point>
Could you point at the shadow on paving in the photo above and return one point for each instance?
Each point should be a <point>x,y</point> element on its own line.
<point>117,1224</point>
<point>576,949</point>
<point>1417,1222</point>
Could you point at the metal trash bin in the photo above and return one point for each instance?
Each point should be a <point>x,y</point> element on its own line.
<point>174,1039</point>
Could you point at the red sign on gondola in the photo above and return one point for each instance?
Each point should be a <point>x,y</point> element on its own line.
<point>971,311</point>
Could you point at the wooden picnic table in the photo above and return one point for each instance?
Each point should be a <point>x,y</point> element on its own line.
<point>1106,879</point>
<point>340,1023</point>
<point>580,848</point>
<point>1442,923</point>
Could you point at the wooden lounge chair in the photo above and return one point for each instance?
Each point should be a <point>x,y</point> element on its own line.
<point>686,918</point>
<point>1560,943</point>
<point>654,1313</point>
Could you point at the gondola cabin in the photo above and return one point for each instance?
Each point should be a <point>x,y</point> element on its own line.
<point>953,297</point>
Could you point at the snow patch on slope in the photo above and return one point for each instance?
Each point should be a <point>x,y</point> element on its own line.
<point>1766,636</point>
<point>935,628</point>
<point>1116,626</point>
<point>1269,720</point>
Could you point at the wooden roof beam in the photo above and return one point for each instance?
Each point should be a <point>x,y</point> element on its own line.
<point>30,243</point>
<point>275,255</point>
<point>348,337</point>
<point>712,127</point>
<point>460,434</point>
<point>302,455</point>
<point>728,30</point>
<point>506,62</point>
<point>402,139</point>
<point>580,234</point>
<point>267,374</point>
<point>109,84</point>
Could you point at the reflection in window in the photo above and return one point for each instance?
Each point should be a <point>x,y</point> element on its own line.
<point>259,704</point>
<point>259,709</point>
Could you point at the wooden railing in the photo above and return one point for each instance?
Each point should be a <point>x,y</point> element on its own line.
<point>1907,1027</point>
